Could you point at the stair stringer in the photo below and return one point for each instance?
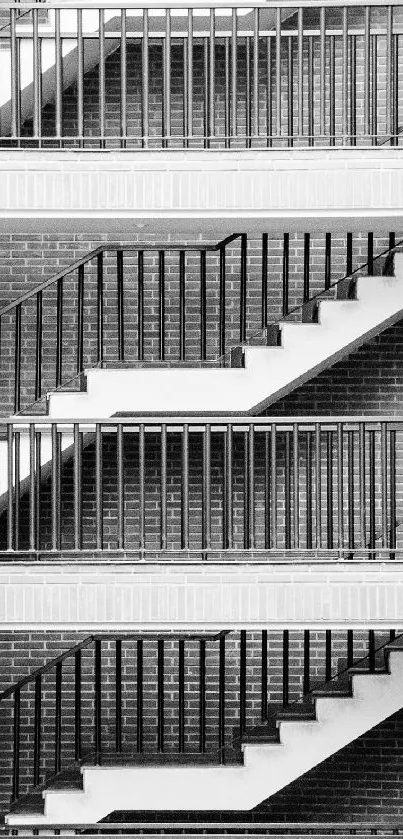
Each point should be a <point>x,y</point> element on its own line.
<point>267,768</point>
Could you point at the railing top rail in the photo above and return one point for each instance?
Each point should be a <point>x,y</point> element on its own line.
<point>202,4</point>
<point>198,420</point>
<point>115,246</point>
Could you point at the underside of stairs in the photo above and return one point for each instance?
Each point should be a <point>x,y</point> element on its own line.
<point>297,739</point>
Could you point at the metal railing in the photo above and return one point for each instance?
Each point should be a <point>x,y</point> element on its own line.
<point>202,488</point>
<point>177,76</point>
<point>110,692</point>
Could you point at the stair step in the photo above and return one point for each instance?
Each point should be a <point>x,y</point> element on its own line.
<point>397,644</point>
<point>346,289</point>
<point>28,804</point>
<point>328,692</point>
<point>296,713</point>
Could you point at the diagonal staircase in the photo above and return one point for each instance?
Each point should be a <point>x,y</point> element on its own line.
<point>305,735</point>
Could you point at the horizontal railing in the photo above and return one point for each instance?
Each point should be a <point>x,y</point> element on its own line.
<point>177,76</point>
<point>166,304</point>
<point>154,698</point>
<point>202,488</point>
<point>253,826</point>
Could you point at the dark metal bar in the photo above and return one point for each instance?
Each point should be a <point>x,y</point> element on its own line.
<point>228,485</point>
<point>395,89</point>
<point>295,465</point>
<point>350,489</point>
<point>77,488</point>
<point>367,70</point>
<point>349,254</point>
<point>308,490</point>
<point>32,489</point>
<point>234,66</point>
<point>227,94</point>
<point>221,350</point>
<point>374,89</point>
<point>190,75</point>
<point>100,307</point>
<point>58,718</point>
<point>185,489</point>
<point>38,485</point>
<point>248,113</point>
<point>80,320</point>
<point>101,76</point>
<point>185,93</point>
<point>251,486</point>
<point>332,89</point>
<point>362,493</point>
<point>384,484</point>
<point>142,487</point>
<point>17,488</point>
<point>55,489</point>
<point>120,489</point>
<point>98,701</point>
<point>267,489</point>
<point>77,706</point>
<point>182,307</point>
<point>344,81</point>
<point>300,53</point>
<point>140,305</point>
<point>329,489</point>
<point>307,664</point>
<point>286,262</point>
<point>167,77</point>
<point>318,486</point>
<point>10,487</point>
<point>389,66</point>
<point>145,80</point>
<point>15,790</point>
<point>80,78</point>
<point>242,325</point>
<point>328,655</point>
<point>37,79</point>
<point>269,94</point>
<point>120,304</point>
<point>290,90</point>
<point>181,697</point>
<point>118,695</point>
<point>255,121</point>
<point>14,76</point>
<point>202,695</point>
<point>139,692</point>
<point>264,690</point>
<point>98,487</point>
<point>370,254</point>
<point>206,129</point>
<point>286,657</point>
<point>372,536</point>
<point>17,360</point>
<point>163,491</point>
<point>340,488</point>
<point>59,332</point>
<point>350,648</point>
<point>392,490</point>
<point>371,650</point>
<point>38,343</point>
<point>322,72</point>
<point>310,92</point>
<point>353,90</point>
<point>273,485</point>
<point>265,239</point>
<point>160,696</point>
<point>123,78</point>
<point>307,243</point>
<point>242,684</point>
<point>206,511</point>
<point>211,119</point>
<point>278,72</point>
<point>161,295</point>
<point>203,306</point>
<point>328,259</point>
<point>37,731</point>
<point>287,492</point>
<point>221,699</point>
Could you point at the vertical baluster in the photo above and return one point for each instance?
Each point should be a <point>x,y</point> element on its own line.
<point>353,90</point>
<point>120,489</point>
<point>118,695</point>
<point>371,435</point>
<point>77,706</point>
<point>311,90</point>
<point>59,332</point>
<point>374,89</point>
<point>98,701</point>
<point>287,492</point>
<point>251,488</point>
<point>100,308</point>
<point>362,493</point>
<point>395,90</point>
<point>203,306</point>
<point>307,665</point>
<point>269,93</point>
<point>80,78</point>
<point>38,346</point>
<point>295,464</point>
<point>160,696</point>
<point>300,52</point>
<point>340,487</point>
<point>384,483</point>
<point>15,792</point>
<point>17,488</point>
<point>350,489</point>
<point>267,488</point>
<point>273,485</point>
<point>190,75</point>
<point>344,82</point>
<point>221,699</point>
<point>367,70</point>
<point>182,309</point>
<point>307,243</point>
<point>278,72</point>
<point>58,80</point>
<point>265,239</point>
<point>221,349</point>
<point>246,506</point>
<point>389,66</point>
<point>36,778</point>
<point>123,79</point>
<point>58,718</point>
<point>328,655</point>
<point>17,360</point>
<point>290,91</point>
<point>163,488</point>
<point>243,292</point>
<point>371,650</point>
<point>211,119</point>
<point>142,488</point>
<point>37,79</point>
<point>167,78</point>
<point>98,487</point>
<point>286,657</point>
<point>77,488</point>
<point>185,93</point>
<point>145,79</point>
<point>185,489</point>
<point>234,80</point>
<point>80,320</point>
<point>161,295</point>
<point>318,486</point>
<point>328,259</point>
<point>242,684</point>
<point>14,77</point>
<point>227,76</point>
<point>329,489</point>
<point>206,93</point>
<point>308,490</point>
<point>10,487</point>
<point>370,254</point>
<point>286,261</point>
<point>228,503</point>
<point>255,126</point>
<point>120,304</point>
<point>332,89</point>
<point>139,695</point>
<point>264,692</point>
<point>350,648</point>
<point>140,306</point>
<point>392,491</point>
<point>181,697</point>
<point>322,74</point>
<point>202,695</point>
<point>32,488</point>
<point>206,512</point>
<point>101,77</point>
<point>38,485</point>
<point>55,489</point>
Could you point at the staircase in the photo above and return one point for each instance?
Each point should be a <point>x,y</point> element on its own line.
<point>303,735</point>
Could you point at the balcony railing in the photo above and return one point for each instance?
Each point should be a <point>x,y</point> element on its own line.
<point>202,488</point>
<point>225,76</point>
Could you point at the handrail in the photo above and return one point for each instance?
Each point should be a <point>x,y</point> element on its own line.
<point>156,419</point>
<point>180,4</point>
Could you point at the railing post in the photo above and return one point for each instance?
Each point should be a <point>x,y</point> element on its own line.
<point>17,360</point>
<point>203,306</point>
<point>58,718</point>
<point>264,692</point>
<point>286,258</point>
<point>242,326</point>
<point>120,304</point>
<point>100,308</point>
<point>98,700</point>
<point>139,696</point>
<point>118,695</point>
<point>181,697</point>
<point>242,684</point>
<point>38,354</point>
<point>15,791</point>
<point>202,695</point>
<point>221,349</point>
<point>286,643</point>
<point>37,730</point>
<point>123,79</point>
<point>80,319</point>
<point>160,695</point>
<point>221,699</point>
<point>77,706</point>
